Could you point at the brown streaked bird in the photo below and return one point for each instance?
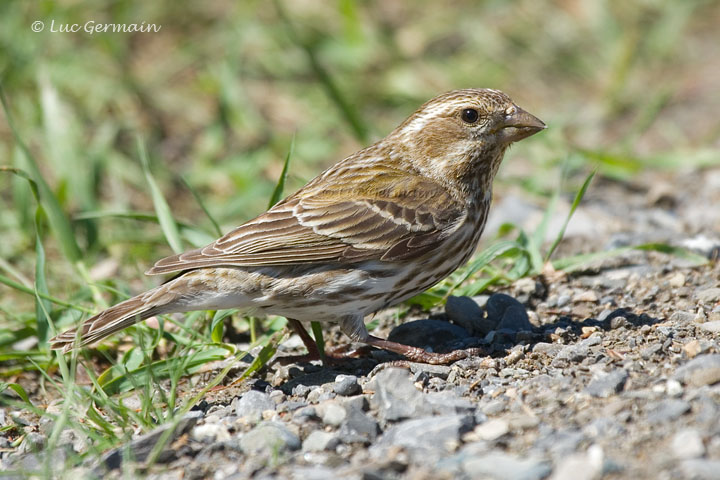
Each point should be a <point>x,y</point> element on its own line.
<point>375,229</point>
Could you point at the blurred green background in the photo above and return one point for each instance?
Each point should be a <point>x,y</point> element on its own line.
<point>219,92</point>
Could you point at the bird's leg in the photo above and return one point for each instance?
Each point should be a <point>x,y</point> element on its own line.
<point>329,356</point>
<point>354,327</point>
<point>416,354</point>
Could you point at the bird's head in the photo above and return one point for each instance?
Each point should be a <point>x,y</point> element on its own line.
<point>461,135</point>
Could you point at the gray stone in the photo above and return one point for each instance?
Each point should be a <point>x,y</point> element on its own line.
<point>425,440</point>
<point>332,413</point>
<point>139,449</point>
<point>447,401</point>
<point>269,437</point>
<point>701,370</point>
<point>396,396</point>
<point>347,385</point>
<point>712,326</point>
<point>492,429</point>
<point>253,403</point>
<point>358,426</point>
<point>581,466</point>
<point>709,295</point>
<point>667,410</point>
<point>468,314</point>
<point>502,466</point>
<point>320,440</point>
<point>701,469</point>
<point>687,444</point>
<point>439,371</point>
<point>604,384</point>
<point>434,335</point>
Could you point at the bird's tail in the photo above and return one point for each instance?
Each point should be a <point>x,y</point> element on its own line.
<point>113,319</point>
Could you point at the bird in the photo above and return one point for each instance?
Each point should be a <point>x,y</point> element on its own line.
<point>371,231</point>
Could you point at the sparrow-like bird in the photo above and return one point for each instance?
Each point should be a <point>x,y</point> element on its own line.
<point>373,230</point>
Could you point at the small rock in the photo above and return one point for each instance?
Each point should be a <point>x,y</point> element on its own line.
<point>269,437</point>
<point>712,327</point>
<point>347,385</point>
<point>210,432</point>
<point>319,440</point>
<point>667,410</point>
<point>501,465</point>
<point>439,371</point>
<point>358,425</point>
<point>682,317</point>
<point>396,396</point>
<point>687,444</point>
<point>252,404</point>
<point>604,384</point>
<point>581,466</point>
<point>586,296</point>
<point>332,413</point>
<point>424,439</point>
<point>139,449</point>
<point>701,370</point>
<point>651,350</point>
<point>709,295</point>
<point>468,314</point>
<point>492,429</point>
<point>700,469</point>
<point>676,280</point>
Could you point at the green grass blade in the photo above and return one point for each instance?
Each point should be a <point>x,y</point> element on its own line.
<point>280,185</point>
<point>165,217</point>
<point>59,222</point>
<point>199,201</point>
<point>576,262</point>
<point>578,198</point>
<point>42,306</point>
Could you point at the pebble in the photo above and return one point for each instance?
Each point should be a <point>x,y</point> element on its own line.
<point>581,466</point>
<point>396,397</point>
<point>210,432</point>
<point>586,296</point>
<point>252,405</point>
<point>504,466</point>
<point>332,413</point>
<point>347,385</point>
<point>666,410</point>
<point>709,295</point>
<point>701,370</point>
<point>700,469</point>
<point>425,439</point>
<point>492,429</point>
<point>712,326</point>
<point>605,384</point>
<point>319,440</point>
<point>358,426</point>
<point>269,438</point>
<point>687,443</point>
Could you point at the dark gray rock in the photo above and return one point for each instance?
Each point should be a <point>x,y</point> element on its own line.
<point>347,385</point>
<point>502,466</point>
<point>139,449</point>
<point>425,440</point>
<point>604,384</point>
<point>468,314</point>
<point>358,426</point>
<point>396,397</point>
<point>252,404</point>
<point>701,370</point>
<point>434,335</point>
<point>507,313</point>
<point>666,410</point>
<point>269,437</point>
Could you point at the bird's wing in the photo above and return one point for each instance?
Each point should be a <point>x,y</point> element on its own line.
<point>389,215</point>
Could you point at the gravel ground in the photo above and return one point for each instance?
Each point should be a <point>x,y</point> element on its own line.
<point>612,372</point>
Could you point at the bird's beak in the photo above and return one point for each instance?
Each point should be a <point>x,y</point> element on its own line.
<point>520,124</point>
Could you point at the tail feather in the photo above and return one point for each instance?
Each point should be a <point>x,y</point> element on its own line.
<point>106,323</point>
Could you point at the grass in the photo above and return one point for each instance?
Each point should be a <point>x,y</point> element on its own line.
<point>119,149</point>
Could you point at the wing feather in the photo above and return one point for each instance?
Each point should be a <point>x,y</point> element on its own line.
<point>391,216</point>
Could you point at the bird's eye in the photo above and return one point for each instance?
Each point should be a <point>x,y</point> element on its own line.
<point>469,115</point>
